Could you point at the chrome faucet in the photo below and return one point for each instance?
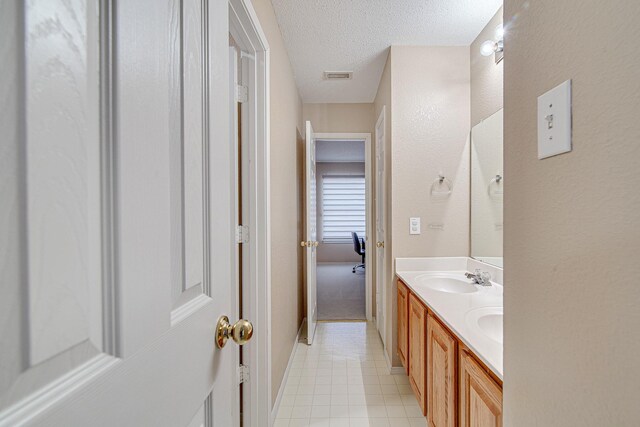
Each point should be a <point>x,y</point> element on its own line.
<point>482,278</point>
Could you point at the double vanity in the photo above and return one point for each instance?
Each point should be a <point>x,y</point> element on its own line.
<point>450,338</point>
<point>450,309</point>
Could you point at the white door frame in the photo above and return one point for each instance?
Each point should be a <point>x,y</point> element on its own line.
<point>366,137</point>
<point>247,32</point>
<point>382,302</point>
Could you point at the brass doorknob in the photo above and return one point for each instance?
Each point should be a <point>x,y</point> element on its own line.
<point>241,331</point>
<point>303,244</point>
<point>380,244</point>
<point>316,244</point>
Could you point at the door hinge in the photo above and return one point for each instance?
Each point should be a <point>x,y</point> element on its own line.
<point>243,374</point>
<point>242,93</point>
<point>242,234</point>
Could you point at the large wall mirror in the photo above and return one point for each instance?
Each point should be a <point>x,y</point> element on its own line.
<point>487,190</point>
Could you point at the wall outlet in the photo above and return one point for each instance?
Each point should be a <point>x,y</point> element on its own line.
<point>554,121</point>
<point>414,225</point>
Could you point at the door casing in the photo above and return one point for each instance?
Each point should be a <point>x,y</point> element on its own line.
<point>245,28</point>
<point>380,203</point>
<point>370,243</point>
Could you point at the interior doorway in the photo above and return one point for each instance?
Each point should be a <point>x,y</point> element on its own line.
<point>343,213</point>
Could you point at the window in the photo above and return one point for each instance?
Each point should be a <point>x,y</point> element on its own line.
<point>343,207</point>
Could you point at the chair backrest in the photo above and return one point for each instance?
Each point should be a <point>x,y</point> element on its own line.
<point>356,243</point>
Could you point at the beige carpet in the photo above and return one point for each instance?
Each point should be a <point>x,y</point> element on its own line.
<point>341,293</point>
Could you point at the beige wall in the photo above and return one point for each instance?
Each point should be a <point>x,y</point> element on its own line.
<point>572,233</point>
<point>335,252</point>
<point>356,118</point>
<point>286,121</point>
<point>429,135</point>
<point>486,75</point>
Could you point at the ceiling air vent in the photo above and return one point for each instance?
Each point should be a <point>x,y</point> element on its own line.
<point>338,75</point>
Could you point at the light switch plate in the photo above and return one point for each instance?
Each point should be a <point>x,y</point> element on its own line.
<point>554,121</point>
<point>414,225</point>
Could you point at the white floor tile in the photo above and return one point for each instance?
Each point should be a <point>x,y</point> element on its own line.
<point>339,411</point>
<point>377,411</point>
<point>303,400</point>
<point>323,389</point>
<point>284,412</point>
<point>413,411</point>
<point>322,399</point>
<point>288,400</point>
<point>393,400</point>
<point>301,412</point>
<point>342,380</point>
<point>396,412</point>
<point>320,411</point>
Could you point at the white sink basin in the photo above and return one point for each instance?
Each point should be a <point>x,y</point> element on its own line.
<point>450,284</point>
<point>487,321</point>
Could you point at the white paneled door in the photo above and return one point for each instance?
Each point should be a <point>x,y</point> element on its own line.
<point>311,232</point>
<point>381,293</point>
<point>116,223</point>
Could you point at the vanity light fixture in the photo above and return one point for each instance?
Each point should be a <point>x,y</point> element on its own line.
<point>494,46</point>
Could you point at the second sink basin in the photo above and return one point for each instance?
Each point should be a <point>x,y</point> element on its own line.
<point>445,283</point>
<point>487,321</point>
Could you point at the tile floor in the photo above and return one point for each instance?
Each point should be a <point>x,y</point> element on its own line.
<point>343,380</point>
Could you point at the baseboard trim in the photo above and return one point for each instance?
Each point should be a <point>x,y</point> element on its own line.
<point>393,370</point>
<point>283,384</point>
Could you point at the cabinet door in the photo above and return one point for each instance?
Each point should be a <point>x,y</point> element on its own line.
<point>418,350</point>
<point>480,397</point>
<point>403,324</point>
<point>441,375</point>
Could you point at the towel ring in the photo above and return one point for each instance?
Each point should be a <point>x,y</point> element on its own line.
<point>496,180</point>
<point>441,180</point>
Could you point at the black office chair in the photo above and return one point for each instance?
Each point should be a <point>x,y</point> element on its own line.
<point>359,248</point>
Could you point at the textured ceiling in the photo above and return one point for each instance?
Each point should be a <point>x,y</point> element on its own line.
<point>353,35</point>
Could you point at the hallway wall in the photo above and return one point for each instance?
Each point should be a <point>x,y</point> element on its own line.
<point>286,122</point>
<point>571,302</point>
<point>340,117</point>
<point>430,96</point>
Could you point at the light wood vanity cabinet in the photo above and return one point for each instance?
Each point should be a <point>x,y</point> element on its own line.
<point>403,325</point>
<point>452,386</point>
<point>417,350</point>
<point>480,397</point>
<point>441,375</point>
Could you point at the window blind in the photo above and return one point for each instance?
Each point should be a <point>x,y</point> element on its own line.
<point>343,207</point>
